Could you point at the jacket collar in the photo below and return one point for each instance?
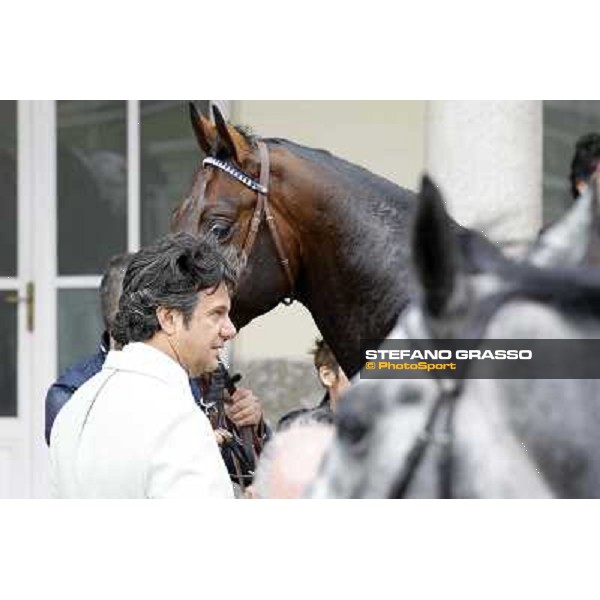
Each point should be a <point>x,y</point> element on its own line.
<point>138,357</point>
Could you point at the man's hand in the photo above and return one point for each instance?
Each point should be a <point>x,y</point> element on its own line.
<point>222,436</point>
<point>244,408</point>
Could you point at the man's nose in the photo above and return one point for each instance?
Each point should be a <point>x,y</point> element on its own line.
<point>228,331</point>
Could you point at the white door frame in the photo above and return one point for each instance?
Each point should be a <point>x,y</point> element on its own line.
<point>39,152</point>
<point>22,448</point>
<point>42,177</point>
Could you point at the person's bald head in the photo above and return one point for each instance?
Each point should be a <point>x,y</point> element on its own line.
<point>111,286</point>
<point>291,460</point>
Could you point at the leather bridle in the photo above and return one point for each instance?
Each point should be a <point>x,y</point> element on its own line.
<point>441,417</point>
<point>261,208</point>
<point>439,424</point>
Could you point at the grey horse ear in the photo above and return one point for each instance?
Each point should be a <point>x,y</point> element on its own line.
<point>435,251</point>
<point>203,130</point>
<point>566,242</point>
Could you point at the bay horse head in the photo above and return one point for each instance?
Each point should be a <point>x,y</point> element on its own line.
<point>310,225</point>
<point>231,198</point>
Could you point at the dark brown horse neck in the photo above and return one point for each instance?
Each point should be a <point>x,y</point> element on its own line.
<point>348,242</point>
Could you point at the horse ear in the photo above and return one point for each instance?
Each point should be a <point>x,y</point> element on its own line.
<point>203,129</point>
<point>435,250</point>
<point>566,242</point>
<point>231,140</point>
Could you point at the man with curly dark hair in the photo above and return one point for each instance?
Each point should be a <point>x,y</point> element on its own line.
<point>134,430</point>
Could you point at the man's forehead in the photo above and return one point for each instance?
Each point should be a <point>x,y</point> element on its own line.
<point>215,297</point>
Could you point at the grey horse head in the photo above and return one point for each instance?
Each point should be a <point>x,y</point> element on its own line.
<point>513,438</point>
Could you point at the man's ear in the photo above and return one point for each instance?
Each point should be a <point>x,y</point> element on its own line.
<point>167,318</point>
<point>327,376</point>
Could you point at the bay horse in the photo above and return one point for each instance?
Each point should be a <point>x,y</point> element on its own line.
<point>325,232</point>
<point>495,438</point>
<point>318,229</point>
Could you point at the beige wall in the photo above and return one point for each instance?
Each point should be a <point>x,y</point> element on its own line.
<point>386,137</point>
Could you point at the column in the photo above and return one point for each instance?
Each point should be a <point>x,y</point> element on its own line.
<point>486,157</point>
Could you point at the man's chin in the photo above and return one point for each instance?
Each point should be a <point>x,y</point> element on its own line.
<point>209,367</point>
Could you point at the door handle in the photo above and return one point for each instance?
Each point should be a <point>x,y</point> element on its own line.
<point>29,299</point>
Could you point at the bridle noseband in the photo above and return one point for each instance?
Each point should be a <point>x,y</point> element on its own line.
<point>261,188</point>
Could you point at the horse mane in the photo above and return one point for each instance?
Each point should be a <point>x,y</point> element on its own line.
<point>340,165</point>
<point>573,288</point>
<point>324,158</point>
<point>343,169</point>
<point>386,201</point>
<point>247,133</point>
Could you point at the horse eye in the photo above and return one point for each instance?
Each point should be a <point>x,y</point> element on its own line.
<point>220,230</point>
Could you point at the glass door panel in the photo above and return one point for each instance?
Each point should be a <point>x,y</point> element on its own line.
<point>9,284</point>
<point>91,184</point>
<point>8,352</point>
<point>169,156</point>
<point>79,325</point>
<point>8,188</point>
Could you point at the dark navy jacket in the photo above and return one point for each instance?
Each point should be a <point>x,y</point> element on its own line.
<point>71,380</point>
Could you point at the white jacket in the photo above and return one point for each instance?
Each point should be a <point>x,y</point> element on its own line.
<point>134,431</point>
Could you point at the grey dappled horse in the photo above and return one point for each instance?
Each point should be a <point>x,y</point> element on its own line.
<point>509,438</point>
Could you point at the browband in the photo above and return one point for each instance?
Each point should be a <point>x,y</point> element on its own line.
<point>236,174</point>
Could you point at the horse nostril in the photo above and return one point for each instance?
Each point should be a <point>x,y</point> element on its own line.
<point>410,396</point>
<point>352,430</point>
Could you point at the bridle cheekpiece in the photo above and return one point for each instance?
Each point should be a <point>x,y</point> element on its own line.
<point>262,208</point>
